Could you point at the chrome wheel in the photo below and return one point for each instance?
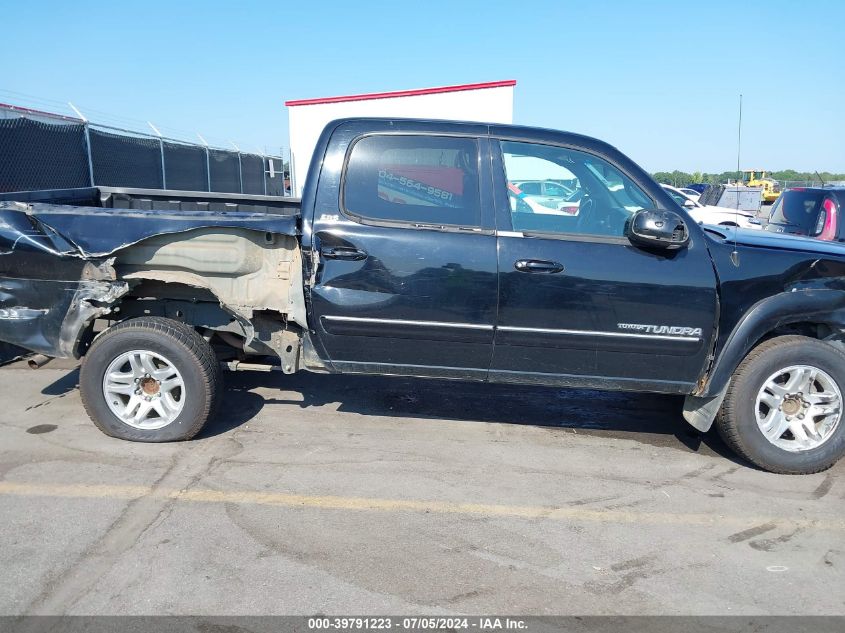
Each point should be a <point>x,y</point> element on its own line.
<point>144,389</point>
<point>798,408</point>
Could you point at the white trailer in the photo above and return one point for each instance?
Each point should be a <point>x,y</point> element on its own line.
<point>490,102</point>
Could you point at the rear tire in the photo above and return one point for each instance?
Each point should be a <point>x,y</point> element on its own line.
<point>793,383</point>
<point>150,379</point>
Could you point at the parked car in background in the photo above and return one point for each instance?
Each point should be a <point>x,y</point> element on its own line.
<point>546,196</point>
<point>690,193</point>
<point>708,214</point>
<point>811,211</point>
<point>699,187</point>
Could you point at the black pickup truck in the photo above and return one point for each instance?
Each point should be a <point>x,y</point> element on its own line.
<point>434,249</point>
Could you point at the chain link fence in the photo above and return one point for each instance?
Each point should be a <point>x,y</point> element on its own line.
<point>40,155</point>
<point>791,184</point>
<point>44,151</point>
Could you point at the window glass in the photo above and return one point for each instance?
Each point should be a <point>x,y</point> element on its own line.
<point>579,193</point>
<point>797,208</point>
<point>415,179</point>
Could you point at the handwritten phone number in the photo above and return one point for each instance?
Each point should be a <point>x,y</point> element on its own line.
<point>424,623</point>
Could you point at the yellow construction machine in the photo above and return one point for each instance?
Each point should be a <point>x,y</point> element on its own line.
<point>770,186</point>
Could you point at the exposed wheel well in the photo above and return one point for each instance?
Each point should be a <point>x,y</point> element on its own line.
<point>820,331</point>
<point>700,411</point>
<point>196,307</point>
<point>811,329</point>
<point>235,333</point>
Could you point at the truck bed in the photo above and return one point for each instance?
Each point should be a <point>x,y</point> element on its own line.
<point>162,199</point>
<point>72,256</point>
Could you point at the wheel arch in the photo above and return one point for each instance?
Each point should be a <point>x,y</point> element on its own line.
<point>816,313</point>
<point>195,305</point>
<point>189,299</point>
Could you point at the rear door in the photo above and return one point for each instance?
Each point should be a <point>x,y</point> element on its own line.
<point>407,279</point>
<point>578,304</point>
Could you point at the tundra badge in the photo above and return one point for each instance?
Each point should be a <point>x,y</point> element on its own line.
<point>671,330</point>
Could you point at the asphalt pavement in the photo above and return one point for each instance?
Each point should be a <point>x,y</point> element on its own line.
<point>330,494</point>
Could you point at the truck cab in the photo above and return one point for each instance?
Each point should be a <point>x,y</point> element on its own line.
<point>423,263</point>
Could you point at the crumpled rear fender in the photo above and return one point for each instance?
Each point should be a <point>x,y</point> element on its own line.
<point>49,294</point>
<point>57,274</point>
<point>49,317</point>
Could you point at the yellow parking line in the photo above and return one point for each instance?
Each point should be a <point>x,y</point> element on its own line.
<point>324,502</point>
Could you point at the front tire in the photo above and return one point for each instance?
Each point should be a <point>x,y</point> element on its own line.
<point>783,409</point>
<point>150,379</point>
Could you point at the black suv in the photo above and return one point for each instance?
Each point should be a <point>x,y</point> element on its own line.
<point>811,211</point>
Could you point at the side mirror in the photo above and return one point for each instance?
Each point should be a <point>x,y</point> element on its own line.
<point>657,228</point>
<point>689,204</point>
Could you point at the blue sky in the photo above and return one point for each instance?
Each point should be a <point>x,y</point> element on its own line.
<point>660,80</point>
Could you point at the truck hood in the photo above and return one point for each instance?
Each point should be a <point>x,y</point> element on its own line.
<point>779,241</point>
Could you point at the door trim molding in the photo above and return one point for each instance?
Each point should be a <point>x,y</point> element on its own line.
<point>509,328</point>
<point>464,326</point>
<point>539,330</point>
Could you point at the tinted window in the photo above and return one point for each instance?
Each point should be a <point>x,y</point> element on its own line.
<point>797,209</point>
<point>415,179</point>
<point>584,193</point>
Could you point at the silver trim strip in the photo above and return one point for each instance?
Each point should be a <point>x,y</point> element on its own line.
<point>508,328</point>
<point>465,326</point>
<point>509,234</point>
<point>540,330</point>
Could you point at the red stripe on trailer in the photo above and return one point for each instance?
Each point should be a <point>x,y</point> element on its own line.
<point>403,93</point>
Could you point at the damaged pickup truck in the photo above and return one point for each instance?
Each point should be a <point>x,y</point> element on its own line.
<point>419,249</point>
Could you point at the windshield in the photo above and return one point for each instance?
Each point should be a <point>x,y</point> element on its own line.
<point>797,208</point>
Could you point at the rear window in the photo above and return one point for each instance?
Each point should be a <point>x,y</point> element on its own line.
<point>413,179</point>
<point>798,209</point>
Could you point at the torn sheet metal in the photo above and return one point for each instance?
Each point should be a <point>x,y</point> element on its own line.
<point>48,317</point>
<point>56,275</point>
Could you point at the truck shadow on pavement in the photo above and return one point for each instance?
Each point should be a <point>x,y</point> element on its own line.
<point>653,419</point>
<point>63,385</point>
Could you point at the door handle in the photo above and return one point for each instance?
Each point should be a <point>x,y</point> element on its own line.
<point>537,266</point>
<point>346,253</point>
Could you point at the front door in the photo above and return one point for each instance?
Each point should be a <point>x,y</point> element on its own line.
<point>578,304</point>
<point>407,278</point>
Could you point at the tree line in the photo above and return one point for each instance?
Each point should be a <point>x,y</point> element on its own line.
<point>681,178</point>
